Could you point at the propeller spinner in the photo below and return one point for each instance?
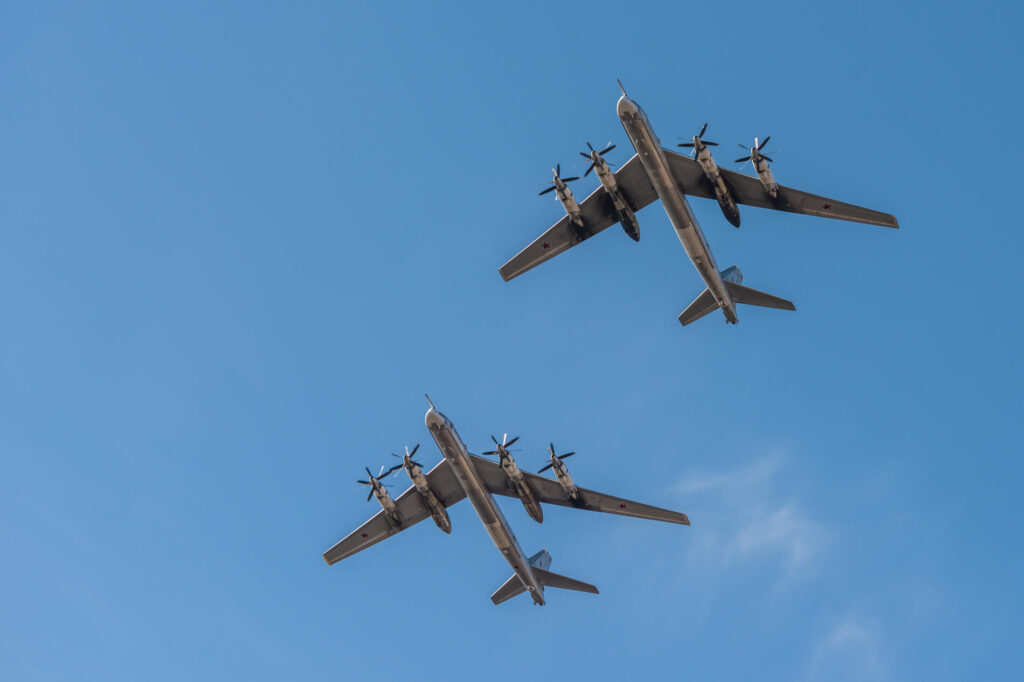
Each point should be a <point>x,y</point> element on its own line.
<point>593,161</point>
<point>698,139</point>
<point>557,170</point>
<point>551,451</point>
<point>755,151</point>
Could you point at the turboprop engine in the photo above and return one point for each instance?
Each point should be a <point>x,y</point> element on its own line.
<point>761,161</point>
<point>564,195</point>
<point>516,477</point>
<point>703,157</point>
<point>604,172</point>
<point>380,491</point>
<point>562,473</point>
<point>419,481</point>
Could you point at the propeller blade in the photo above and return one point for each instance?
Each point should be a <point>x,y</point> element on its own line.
<point>368,472</point>
<point>369,495</point>
<point>570,179</point>
<point>416,463</point>
<point>585,155</point>
<point>589,146</point>
<point>398,456</point>
<point>414,449</point>
<point>742,146</point>
<point>495,440</point>
<point>710,144</point>
<point>549,189</point>
<point>490,452</point>
<point>364,482</point>
<point>512,441</point>
<point>606,150</point>
<point>745,158</point>
<point>543,468</point>
<point>568,454</point>
<point>589,168</point>
<point>558,169</point>
<point>685,144</point>
<point>763,143</point>
<point>767,158</point>
<point>701,133</point>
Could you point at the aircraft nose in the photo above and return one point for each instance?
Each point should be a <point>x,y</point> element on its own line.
<point>434,419</point>
<point>627,107</point>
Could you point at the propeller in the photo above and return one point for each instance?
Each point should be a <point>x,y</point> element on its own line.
<point>551,449</point>
<point>408,455</point>
<point>502,446</point>
<point>590,156</point>
<point>558,174</point>
<point>700,136</point>
<point>375,480</point>
<point>756,151</point>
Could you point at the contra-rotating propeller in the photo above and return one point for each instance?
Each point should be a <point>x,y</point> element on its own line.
<point>551,451</point>
<point>502,450</point>
<point>375,480</point>
<point>755,151</point>
<point>700,136</point>
<point>558,174</point>
<point>408,456</point>
<point>600,153</point>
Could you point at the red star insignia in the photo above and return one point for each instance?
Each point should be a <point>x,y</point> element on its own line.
<point>365,535</point>
<point>827,207</point>
<point>545,245</point>
<point>622,506</point>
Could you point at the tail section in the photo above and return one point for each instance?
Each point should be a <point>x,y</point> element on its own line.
<point>701,306</point>
<point>742,294</point>
<point>539,563</point>
<point>731,278</point>
<point>549,579</point>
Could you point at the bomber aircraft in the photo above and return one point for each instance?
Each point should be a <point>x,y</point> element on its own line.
<point>460,475</point>
<point>658,173</point>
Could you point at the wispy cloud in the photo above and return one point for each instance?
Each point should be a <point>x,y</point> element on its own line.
<point>850,650</point>
<point>749,518</point>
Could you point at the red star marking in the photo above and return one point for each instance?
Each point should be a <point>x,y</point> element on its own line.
<point>365,535</point>
<point>546,245</point>
<point>622,506</point>
<point>827,207</point>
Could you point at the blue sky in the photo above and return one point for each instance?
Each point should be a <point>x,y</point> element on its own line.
<point>241,240</point>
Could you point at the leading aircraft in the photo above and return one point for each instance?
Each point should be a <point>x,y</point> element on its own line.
<point>460,475</point>
<point>658,173</point>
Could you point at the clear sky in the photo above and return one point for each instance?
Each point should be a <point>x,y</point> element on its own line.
<point>239,241</point>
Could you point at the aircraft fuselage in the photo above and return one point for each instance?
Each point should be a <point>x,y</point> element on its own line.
<point>454,450</point>
<point>648,148</point>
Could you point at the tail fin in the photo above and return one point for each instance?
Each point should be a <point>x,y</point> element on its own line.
<point>701,306</point>
<point>742,294</point>
<point>512,587</point>
<point>539,563</point>
<point>549,579</point>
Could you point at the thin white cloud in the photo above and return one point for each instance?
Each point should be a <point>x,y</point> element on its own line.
<point>748,519</point>
<point>849,651</point>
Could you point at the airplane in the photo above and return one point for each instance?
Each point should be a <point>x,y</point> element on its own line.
<point>460,475</point>
<point>654,172</point>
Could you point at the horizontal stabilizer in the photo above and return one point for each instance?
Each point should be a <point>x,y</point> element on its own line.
<point>549,579</point>
<point>701,306</point>
<point>742,294</point>
<point>512,587</point>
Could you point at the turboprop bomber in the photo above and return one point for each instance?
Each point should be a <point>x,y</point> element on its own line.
<point>654,172</point>
<point>462,475</point>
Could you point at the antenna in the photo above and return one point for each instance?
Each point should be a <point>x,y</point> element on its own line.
<point>621,88</point>
<point>430,401</point>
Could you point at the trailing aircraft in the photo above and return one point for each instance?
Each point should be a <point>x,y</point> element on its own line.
<point>463,475</point>
<point>654,172</point>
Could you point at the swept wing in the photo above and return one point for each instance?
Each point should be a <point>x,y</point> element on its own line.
<point>411,511</point>
<point>750,191</point>
<point>547,490</point>
<point>597,212</point>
